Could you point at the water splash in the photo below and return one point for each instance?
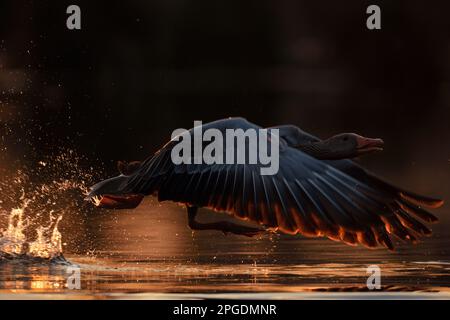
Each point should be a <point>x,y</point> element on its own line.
<point>34,201</point>
<point>47,246</point>
<point>14,242</point>
<point>13,238</point>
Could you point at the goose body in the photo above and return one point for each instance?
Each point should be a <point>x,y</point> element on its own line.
<point>318,190</point>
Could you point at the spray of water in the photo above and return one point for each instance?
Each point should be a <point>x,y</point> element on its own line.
<point>33,202</point>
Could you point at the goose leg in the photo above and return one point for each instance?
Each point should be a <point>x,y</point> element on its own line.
<point>224,226</point>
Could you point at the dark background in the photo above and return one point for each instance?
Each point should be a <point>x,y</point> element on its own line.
<point>137,70</point>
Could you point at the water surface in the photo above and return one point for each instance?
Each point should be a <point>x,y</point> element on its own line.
<point>151,253</point>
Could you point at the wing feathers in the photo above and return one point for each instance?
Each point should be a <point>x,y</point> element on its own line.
<point>336,199</point>
<point>285,220</point>
<point>421,213</point>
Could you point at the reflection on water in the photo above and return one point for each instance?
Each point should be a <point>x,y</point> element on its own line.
<point>150,251</point>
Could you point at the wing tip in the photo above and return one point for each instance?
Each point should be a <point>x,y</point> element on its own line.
<point>422,200</point>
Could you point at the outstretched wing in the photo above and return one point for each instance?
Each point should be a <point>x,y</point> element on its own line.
<point>335,199</point>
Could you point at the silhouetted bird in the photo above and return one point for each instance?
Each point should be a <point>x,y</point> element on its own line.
<point>318,190</point>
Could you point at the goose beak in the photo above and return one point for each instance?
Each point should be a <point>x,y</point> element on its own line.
<point>368,145</point>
